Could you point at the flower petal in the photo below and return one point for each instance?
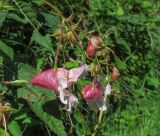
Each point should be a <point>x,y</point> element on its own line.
<point>47,79</point>
<point>68,99</point>
<point>62,75</point>
<point>72,102</point>
<point>108,89</point>
<point>76,73</point>
<point>93,92</point>
<point>102,106</point>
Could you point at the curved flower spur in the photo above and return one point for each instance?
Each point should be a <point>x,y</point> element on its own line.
<point>59,80</point>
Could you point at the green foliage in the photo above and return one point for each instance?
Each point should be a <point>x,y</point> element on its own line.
<point>44,41</point>
<point>36,98</point>
<point>36,35</point>
<point>14,128</point>
<point>6,50</point>
<point>3,17</point>
<point>3,132</point>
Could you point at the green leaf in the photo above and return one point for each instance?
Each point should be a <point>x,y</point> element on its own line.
<point>71,64</point>
<point>2,17</point>
<point>14,128</point>
<point>54,124</point>
<point>26,72</point>
<point>152,81</point>
<point>95,4</point>
<point>38,2</point>
<point>16,18</point>
<point>36,98</point>
<point>44,41</point>
<point>120,64</point>
<point>119,11</point>
<point>50,20</point>
<point>82,126</point>
<point>124,44</point>
<point>6,51</point>
<point>3,132</point>
<point>147,4</point>
<point>38,93</point>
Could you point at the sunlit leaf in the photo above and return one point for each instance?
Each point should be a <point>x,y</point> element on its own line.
<point>120,64</point>
<point>14,128</point>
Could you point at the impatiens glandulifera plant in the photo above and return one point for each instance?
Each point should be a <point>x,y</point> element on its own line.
<point>115,74</point>
<point>95,95</point>
<point>59,80</point>
<point>93,45</point>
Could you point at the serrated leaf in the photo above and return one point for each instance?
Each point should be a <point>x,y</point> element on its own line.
<point>44,41</point>
<point>119,63</point>
<point>50,20</point>
<point>14,128</point>
<point>26,72</point>
<point>124,44</point>
<point>16,18</point>
<point>54,124</point>
<point>6,51</point>
<point>36,98</point>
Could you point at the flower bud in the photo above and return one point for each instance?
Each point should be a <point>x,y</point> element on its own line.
<point>93,45</point>
<point>115,73</point>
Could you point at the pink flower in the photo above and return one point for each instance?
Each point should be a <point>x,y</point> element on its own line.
<point>93,92</point>
<point>59,80</point>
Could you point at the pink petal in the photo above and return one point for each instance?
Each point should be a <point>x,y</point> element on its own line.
<point>62,75</point>
<point>93,92</point>
<point>76,73</point>
<point>96,41</point>
<point>47,79</point>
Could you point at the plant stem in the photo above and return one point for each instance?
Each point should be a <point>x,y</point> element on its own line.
<point>99,119</point>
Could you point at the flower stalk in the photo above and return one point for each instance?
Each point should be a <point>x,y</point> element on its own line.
<point>99,118</point>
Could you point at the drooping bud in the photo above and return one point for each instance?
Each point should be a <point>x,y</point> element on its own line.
<point>115,73</point>
<point>93,45</point>
<point>93,92</point>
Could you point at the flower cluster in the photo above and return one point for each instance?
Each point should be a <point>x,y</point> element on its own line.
<point>59,81</point>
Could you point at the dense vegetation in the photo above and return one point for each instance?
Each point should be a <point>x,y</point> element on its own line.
<point>36,35</point>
